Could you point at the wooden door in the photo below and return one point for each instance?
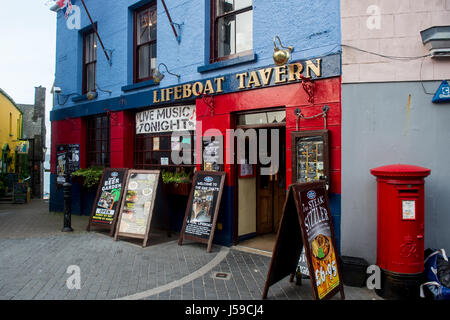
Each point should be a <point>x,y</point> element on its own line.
<point>279,188</point>
<point>279,196</point>
<point>264,215</point>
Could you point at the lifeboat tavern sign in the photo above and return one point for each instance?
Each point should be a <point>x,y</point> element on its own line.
<point>324,67</point>
<point>179,118</point>
<point>317,68</point>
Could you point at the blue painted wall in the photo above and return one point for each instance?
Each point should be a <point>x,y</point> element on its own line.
<point>311,26</point>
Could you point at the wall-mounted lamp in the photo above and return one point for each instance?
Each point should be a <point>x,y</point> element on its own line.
<point>158,76</point>
<point>91,95</point>
<point>281,56</point>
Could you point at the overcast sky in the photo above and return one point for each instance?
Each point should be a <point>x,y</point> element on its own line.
<point>27,49</point>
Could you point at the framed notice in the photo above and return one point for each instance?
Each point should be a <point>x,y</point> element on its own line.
<point>408,209</point>
<point>246,171</point>
<point>203,207</point>
<point>137,205</point>
<point>310,156</point>
<point>212,156</point>
<point>108,199</point>
<point>306,222</point>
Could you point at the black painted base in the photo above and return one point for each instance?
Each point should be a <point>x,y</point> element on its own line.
<point>67,229</point>
<point>398,286</point>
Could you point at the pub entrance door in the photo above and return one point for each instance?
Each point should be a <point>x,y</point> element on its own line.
<point>262,193</point>
<point>271,192</point>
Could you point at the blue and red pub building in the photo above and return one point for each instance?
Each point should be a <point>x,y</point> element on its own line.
<point>219,75</point>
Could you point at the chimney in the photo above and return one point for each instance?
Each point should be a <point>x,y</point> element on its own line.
<point>39,103</point>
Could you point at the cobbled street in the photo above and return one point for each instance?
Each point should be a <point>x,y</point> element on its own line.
<point>35,256</point>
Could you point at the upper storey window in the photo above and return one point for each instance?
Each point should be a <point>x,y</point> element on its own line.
<point>144,43</point>
<point>232,28</point>
<point>89,61</point>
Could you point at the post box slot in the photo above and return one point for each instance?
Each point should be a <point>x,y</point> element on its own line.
<point>413,191</point>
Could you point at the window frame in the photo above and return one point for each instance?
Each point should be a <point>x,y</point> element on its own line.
<point>214,32</point>
<point>91,141</point>
<point>86,64</point>
<point>136,47</point>
<point>138,152</point>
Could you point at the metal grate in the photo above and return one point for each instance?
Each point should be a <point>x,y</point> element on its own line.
<point>221,275</point>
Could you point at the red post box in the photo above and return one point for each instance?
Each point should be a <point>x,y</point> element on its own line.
<point>400,229</point>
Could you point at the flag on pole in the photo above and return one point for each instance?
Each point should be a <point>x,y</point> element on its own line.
<point>66,7</point>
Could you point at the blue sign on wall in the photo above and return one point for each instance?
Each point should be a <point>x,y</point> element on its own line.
<point>443,93</point>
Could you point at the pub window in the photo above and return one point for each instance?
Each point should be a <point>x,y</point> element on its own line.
<point>89,61</point>
<point>231,28</point>
<point>153,150</point>
<point>144,43</point>
<point>97,147</point>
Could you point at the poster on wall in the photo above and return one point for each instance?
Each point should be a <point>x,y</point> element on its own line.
<point>108,199</point>
<point>67,161</point>
<point>307,223</point>
<point>73,157</point>
<point>169,119</point>
<point>203,206</point>
<point>61,164</point>
<point>137,205</point>
<point>211,156</point>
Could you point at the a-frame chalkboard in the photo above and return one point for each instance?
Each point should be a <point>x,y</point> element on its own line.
<point>203,207</point>
<point>138,204</point>
<point>307,222</point>
<point>108,199</point>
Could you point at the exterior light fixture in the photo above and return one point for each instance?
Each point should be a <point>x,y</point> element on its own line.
<point>91,95</point>
<point>281,56</point>
<point>158,75</point>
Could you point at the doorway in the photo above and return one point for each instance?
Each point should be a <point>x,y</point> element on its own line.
<point>261,196</point>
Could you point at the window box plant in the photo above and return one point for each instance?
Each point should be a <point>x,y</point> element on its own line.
<point>178,183</point>
<point>89,178</point>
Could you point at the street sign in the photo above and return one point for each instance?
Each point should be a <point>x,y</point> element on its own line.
<point>443,93</point>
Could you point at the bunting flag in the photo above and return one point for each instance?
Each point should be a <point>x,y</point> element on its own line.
<point>66,7</point>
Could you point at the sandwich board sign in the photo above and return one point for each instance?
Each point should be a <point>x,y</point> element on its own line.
<point>306,222</point>
<point>107,201</point>
<point>203,207</point>
<point>138,204</point>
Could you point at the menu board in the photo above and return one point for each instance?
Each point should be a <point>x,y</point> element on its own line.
<point>203,206</point>
<point>108,199</point>
<point>137,204</point>
<point>318,237</point>
<point>306,223</point>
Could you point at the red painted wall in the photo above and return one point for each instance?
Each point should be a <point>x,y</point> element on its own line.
<point>70,131</point>
<point>122,139</point>
<point>327,91</point>
<point>73,131</point>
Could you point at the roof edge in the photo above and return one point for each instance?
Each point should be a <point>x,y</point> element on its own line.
<point>11,100</point>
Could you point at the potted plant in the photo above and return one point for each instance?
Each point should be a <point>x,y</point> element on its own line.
<point>89,178</point>
<point>177,182</point>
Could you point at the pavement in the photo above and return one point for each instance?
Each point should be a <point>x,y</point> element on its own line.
<point>37,262</point>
